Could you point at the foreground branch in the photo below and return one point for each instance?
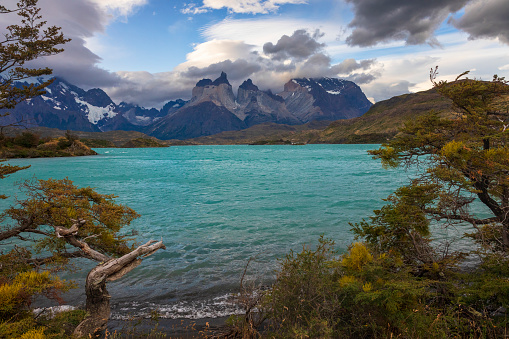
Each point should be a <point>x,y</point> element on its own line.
<point>69,236</point>
<point>98,298</point>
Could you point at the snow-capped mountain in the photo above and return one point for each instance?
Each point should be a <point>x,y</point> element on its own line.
<point>213,108</point>
<point>324,99</point>
<point>66,106</point>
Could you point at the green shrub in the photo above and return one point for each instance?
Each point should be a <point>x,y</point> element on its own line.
<point>27,139</point>
<point>304,299</point>
<point>63,143</point>
<point>363,294</point>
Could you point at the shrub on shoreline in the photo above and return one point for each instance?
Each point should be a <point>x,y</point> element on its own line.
<point>366,294</point>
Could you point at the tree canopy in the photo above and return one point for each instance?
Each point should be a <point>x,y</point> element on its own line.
<point>24,42</point>
<point>57,221</point>
<point>409,279</point>
<point>464,163</point>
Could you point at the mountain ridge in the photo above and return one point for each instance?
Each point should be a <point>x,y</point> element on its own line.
<point>212,109</point>
<point>379,124</point>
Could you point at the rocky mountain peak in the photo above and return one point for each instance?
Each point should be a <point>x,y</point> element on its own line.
<point>324,99</point>
<point>204,82</point>
<point>248,85</point>
<point>212,109</point>
<point>218,92</point>
<point>221,80</point>
<point>97,97</point>
<point>274,96</point>
<point>330,85</point>
<point>172,106</point>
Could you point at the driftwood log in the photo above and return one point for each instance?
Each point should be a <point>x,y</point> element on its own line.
<point>98,298</point>
<point>109,269</point>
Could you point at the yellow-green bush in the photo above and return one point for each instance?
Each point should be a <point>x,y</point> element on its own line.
<point>357,257</point>
<point>34,334</point>
<point>18,294</point>
<point>362,294</point>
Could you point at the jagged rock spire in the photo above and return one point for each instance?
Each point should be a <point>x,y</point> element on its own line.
<point>221,80</point>
<point>249,86</point>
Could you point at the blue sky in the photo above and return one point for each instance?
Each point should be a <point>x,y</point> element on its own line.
<point>162,33</point>
<point>152,51</point>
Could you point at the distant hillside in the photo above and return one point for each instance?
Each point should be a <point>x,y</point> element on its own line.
<point>266,131</point>
<point>383,119</point>
<point>380,123</point>
<point>213,108</point>
<point>94,139</point>
<point>143,143</point>
<point>30,145</point>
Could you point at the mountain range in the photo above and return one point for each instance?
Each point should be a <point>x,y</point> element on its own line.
<point>212,109</point>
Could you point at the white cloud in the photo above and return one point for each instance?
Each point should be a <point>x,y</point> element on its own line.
<point>483,57</point>
<point>148,89</point>
<point>83,21</point>
<point>120,7</point>
<point>260,31</point>
<point>232,43</point>
<point>193,9</point>
<point>240,6</point>
<point>214,51</point>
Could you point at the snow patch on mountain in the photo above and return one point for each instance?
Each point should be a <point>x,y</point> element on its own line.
<point>143,119</point>
<point>96,114</point>
<point>45,98</point>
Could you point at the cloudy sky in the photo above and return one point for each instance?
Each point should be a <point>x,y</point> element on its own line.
<point>152,51</point>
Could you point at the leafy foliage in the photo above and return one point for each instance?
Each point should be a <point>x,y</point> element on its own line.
<point>56,216</point>
<point>18,294</point>
<point>406,280</point>
<point>52,203</point>
<point>466,159</point>
<point>301,301</point>
<point>30,145</point>
<point>319,294</point>
<point>22,43</point>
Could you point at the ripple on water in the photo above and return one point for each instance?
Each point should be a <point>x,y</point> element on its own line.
<point>217,206</point>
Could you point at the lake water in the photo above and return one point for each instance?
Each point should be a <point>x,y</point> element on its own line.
<point>215,207</point>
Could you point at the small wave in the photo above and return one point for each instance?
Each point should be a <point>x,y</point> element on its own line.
<point>221,306</point>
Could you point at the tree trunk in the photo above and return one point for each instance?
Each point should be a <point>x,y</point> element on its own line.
<point>98,298</point>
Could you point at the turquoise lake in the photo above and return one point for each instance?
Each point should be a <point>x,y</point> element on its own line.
<point>215,207</point>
